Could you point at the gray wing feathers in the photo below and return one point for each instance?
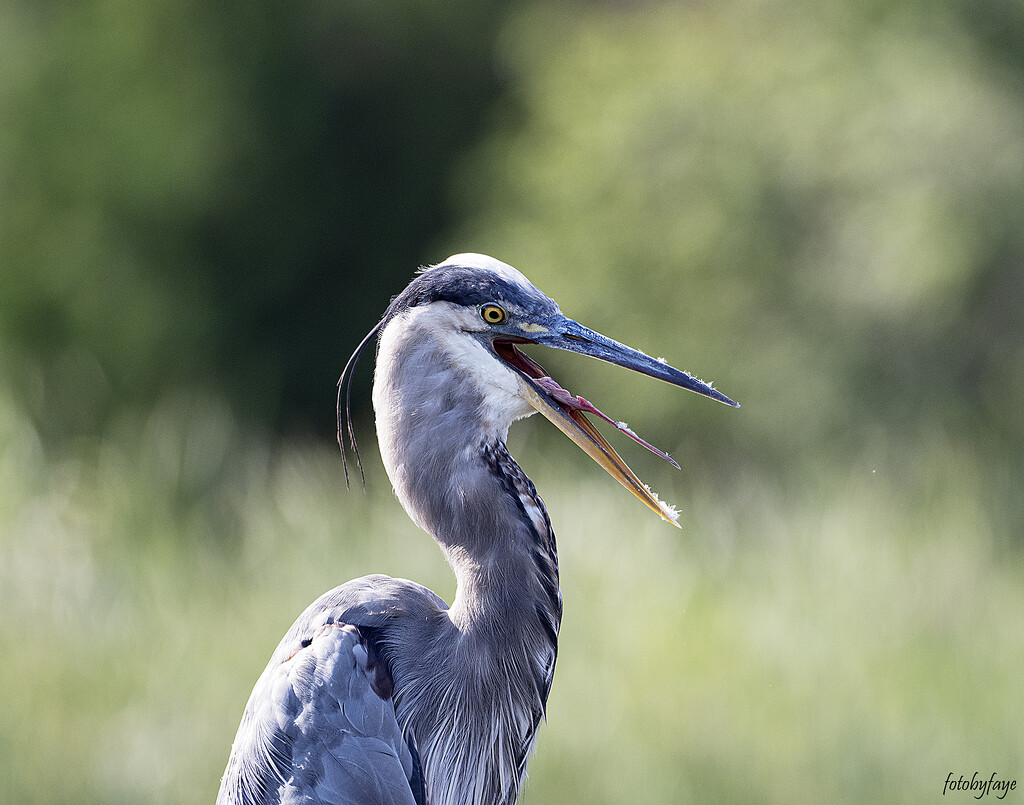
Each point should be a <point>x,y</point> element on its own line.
<point>315,730</point>
<point>346,744</point>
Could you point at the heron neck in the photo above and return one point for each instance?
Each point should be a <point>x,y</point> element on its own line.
<point>508,572</point>
<point>442,429</point>
<point>494,530</point>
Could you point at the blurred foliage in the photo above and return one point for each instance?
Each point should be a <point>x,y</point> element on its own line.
<point>220,194</point>
<point>820,206</point>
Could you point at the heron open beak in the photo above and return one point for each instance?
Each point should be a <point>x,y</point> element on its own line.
<point>568,412</point>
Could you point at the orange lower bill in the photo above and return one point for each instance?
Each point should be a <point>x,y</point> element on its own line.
<point>575,425</point>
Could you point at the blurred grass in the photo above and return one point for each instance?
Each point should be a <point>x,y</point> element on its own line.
<point>849,639</point>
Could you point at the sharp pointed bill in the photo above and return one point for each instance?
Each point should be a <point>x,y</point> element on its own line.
<point>568,412</point>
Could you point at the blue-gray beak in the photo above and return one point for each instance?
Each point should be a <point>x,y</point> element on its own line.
<point>574,337</point>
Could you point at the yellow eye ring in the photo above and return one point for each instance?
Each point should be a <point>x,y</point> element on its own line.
<point>492,314</point>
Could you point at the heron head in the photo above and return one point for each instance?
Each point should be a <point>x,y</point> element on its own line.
<point>479,311</point>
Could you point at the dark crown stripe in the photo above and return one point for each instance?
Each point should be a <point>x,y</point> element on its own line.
<point>468,287</point>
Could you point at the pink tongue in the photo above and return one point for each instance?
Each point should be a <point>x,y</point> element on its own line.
<point>572,403</point>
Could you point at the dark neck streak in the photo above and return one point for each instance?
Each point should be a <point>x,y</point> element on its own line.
<point>543,551</point>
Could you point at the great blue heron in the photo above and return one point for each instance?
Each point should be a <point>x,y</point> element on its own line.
<point>380,692</point>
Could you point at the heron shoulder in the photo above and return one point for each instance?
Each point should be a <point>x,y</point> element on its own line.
<point>318,728</point>
<point>321,720</point>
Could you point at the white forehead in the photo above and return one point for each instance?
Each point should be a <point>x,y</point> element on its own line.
<point>487,263</point>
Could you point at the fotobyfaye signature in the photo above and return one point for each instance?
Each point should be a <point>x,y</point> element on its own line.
<point>982,786</point>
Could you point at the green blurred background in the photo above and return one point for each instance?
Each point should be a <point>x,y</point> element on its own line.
<point>820,206</point>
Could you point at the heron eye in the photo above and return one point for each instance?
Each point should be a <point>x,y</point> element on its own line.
<point>492,314</point>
